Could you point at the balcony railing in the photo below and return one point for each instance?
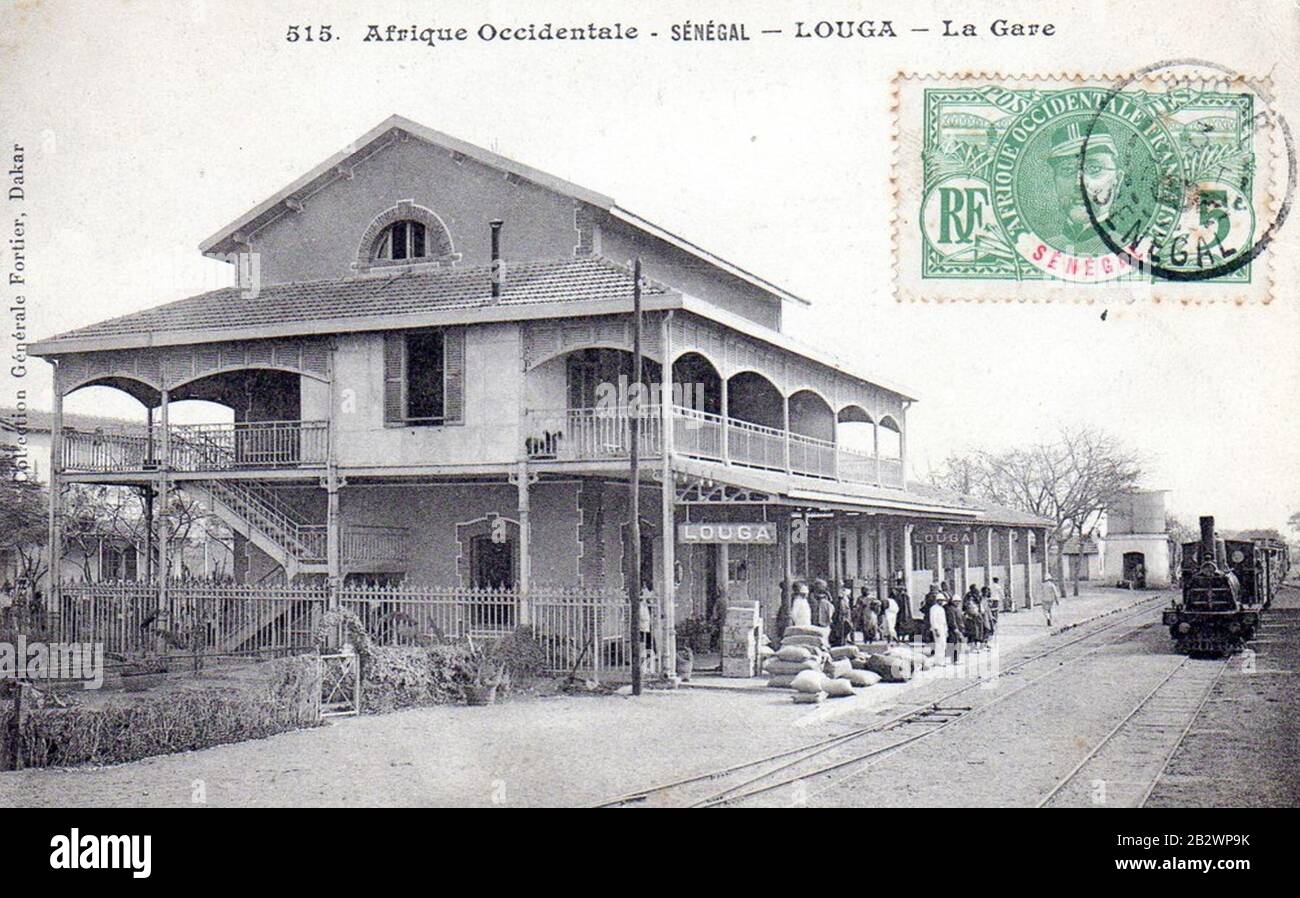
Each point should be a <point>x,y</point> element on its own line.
<point>604,433</point>
<point>371,544</point>
<point>590,434</point>
<point>200,447</point>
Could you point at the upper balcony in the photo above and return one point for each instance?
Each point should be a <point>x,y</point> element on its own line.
<point>605,434</point>
<point>194,448</point>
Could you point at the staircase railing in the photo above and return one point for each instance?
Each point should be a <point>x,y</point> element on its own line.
<point>273,516</point>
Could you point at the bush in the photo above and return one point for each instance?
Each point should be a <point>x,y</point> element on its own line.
<point>182,720</point>
<point>405,676</point>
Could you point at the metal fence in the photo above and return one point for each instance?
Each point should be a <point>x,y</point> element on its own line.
<point>580,632</point>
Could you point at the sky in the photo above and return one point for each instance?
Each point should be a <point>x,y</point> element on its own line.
<point>148,126</point>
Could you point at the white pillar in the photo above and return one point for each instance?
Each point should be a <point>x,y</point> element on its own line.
<point>164,495</point>
<point>668,501</point>
<point>56,492</point>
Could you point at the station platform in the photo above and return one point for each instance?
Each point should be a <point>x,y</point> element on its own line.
<point>1016,630</point>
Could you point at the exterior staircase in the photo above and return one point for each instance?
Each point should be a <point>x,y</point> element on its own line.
<point>267,521</point>
<point>253,510</point>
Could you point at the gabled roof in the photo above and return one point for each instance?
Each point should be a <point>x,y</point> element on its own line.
<point>228,239</point>
<point>369,303</point>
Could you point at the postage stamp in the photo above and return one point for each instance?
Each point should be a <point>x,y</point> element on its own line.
<point>1165,184</point>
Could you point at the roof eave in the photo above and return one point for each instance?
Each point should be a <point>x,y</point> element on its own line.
<point>699,252</point>
<point>325,326</point>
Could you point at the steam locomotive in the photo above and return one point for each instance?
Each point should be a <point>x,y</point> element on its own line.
<point>1227,584</point>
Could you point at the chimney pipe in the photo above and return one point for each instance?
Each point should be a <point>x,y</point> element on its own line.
<point>498,267</point>
<point>1207,538</point>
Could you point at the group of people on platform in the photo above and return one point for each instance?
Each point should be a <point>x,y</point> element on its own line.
<point>945,619</point>
<point>965,622</point>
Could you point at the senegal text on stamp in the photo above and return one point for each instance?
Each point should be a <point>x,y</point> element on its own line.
<point>1159,185</point>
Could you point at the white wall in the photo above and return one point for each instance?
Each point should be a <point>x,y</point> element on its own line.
<point>490,434</point>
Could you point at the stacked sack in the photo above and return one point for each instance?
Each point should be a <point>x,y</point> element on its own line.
<point>898,663</point>
<point>806,663</point>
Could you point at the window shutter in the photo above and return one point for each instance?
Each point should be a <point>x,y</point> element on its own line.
<point>453,366</point>
<point>394,377</point>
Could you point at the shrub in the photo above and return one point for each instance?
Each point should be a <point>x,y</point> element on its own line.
<point>181,720</point>
<point>405,676</point>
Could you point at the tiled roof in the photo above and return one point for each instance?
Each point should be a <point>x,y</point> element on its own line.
<point>412,292</point>
<point>39,420</point>
<point>988,512</point>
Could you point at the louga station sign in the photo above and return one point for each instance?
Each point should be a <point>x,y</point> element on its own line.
<point>944,536</point>
<point>763,533</point>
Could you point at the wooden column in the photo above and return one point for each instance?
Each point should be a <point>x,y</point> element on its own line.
<point>668,503</point>
<point>785,423</point>
<point>875,448</point>
<point>56,493</point>
<point>525,542</point>
<point>988,557</point>
<point>908,562</point>
<point>787,553</point>
<point>164,496</point>
<point>881,560</point>
<point>725,416</point>
<point>965,567</point>
<point>1011,567</point>
<point>938,561</point>
<point>333,537</point>
<point>1029,566</point>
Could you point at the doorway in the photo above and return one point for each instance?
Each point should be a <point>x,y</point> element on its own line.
<point>1135,569</point>
<point>492,564</point>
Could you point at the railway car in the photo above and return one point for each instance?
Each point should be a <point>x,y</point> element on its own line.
<point>1226,585</point>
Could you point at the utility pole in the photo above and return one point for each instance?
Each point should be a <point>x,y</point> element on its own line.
<point>634,425</point>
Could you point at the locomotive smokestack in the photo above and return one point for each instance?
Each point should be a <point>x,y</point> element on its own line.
<point>1207,538</point>
<point>498,267</point>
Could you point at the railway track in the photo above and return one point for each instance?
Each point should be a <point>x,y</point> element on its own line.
<point>1123,769</point>
<point>843,753</point>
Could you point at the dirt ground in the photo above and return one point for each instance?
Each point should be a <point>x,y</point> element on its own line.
<point>539,751</point>
<point>1244,750</point>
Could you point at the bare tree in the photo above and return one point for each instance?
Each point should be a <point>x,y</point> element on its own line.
<point>1071,479</point>
<point>1180,532</point>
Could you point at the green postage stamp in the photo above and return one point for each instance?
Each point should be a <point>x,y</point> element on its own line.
<point>1156,186</point>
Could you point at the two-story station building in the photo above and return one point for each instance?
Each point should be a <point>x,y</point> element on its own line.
<point>429,380</point>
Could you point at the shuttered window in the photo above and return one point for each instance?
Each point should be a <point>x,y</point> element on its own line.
<point>424,377</point>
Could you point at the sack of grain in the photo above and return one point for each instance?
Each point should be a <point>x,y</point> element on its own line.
<point>840,668</point>
<point>812,642</point>
<point>794,653</point>
<point>781,681</point>
<point>777,666</point>
<point>809,698</point>
<point>862,678</point>
<point>823,632</point>
<point>808,681</point>
<point>890,667</point>
<point>844,651</point>
<point>839,688</point>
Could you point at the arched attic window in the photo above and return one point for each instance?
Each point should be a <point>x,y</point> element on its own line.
<point>405,234</point>
<point>405,239</point>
